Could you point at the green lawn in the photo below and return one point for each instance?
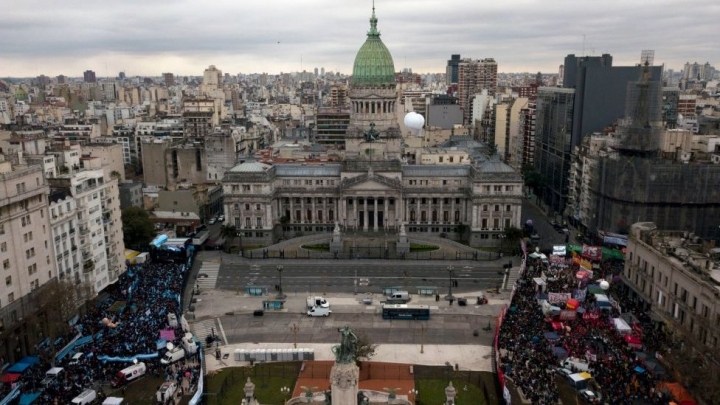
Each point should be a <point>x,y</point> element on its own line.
<point>321,247</point>
<point>226,387</point>
<point>433,392</point>
<point>416,247</point>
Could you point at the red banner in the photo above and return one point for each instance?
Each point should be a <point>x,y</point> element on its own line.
<point>592,252</point>
<point>591,316</point>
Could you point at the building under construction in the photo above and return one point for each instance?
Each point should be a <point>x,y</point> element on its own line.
<point>633,181</point>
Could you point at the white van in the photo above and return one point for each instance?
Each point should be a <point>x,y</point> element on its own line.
<point>51,375</point>
<point>76,358</point>
<point>319,311</point>
<point>398,297</point>
<point>171,356</point>
<point>85,397</point>
<point>128,374</point>
<point>189,344</point>
<point>166,391</point>
<point>575,364</point>
<point>312,302</point>
<point>113,401</point>
<point>172,320</point>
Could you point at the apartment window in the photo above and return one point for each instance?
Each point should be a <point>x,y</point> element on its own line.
<point>257,207</point>
<point>247,222</point>
<point>496,223</point>
<point>497,188</point>
<point>508,188</point>
<point>485,207</point>
<point>11,298</point>
<point>32,269</point>
<point>6,264</point>
<point>245,187</point>
<point>497,207</point>
<point>484,223</point>
<point>247,207</point>
<point>308,182</point>
<point>34,284</point>
<point>8,280</point>
<point>508,207</point>
<point>2,229</point>
<point>3,247</point>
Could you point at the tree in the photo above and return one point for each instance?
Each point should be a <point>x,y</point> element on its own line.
<point>364,349</point>
<point>229,232</point>
<point>56,303</point>
<point>532,178</point>
<point>284,220</point>
<point>138,229</point>
<point>513,236</point>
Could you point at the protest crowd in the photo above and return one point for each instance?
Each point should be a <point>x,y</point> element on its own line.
<point>123,326</point>
<point>561,310</point>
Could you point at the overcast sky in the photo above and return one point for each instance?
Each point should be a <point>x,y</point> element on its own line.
<point>149,37</point>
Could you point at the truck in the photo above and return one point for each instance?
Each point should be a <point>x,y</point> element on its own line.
<point>313,302</point>
<point>575,364</point>
<point>86,397</point>
<point>51,375</point>
<point>166,391</point>
<point>200,238</point>
<point>189,344</point>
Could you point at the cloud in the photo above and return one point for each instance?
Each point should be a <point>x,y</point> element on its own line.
<point>149,37</point>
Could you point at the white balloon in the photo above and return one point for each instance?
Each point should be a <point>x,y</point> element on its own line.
<point>414,120</point>
<point>604,285</point>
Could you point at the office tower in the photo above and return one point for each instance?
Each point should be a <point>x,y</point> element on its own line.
<point>451,73</point>
<point>89,76</point>
<point>121,75</point>
<point>598,101</point>
<point>61,79</point>
<point>169,79</point>
<point>212,79</point>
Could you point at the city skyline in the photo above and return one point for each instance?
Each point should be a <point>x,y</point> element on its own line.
<point>151,37</point>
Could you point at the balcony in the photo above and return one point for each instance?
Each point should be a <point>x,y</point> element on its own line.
<point>84,231</point>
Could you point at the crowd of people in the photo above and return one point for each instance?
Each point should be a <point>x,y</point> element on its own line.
<point>533,346</point>
<point>124,324</point>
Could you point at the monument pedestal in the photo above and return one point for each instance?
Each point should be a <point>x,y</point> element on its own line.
<point>344,379</point>
<point>403,244</point>
<point>336,243</point>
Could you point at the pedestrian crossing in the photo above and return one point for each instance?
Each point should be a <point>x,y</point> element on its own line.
<point>207,275</point>
<point>205,328</point>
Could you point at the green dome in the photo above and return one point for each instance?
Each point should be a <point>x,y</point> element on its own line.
<point>373,63</point>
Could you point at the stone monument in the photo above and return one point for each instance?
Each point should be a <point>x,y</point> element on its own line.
<point>345,374</point>
<point>450,394</point>
<point>403,245</point>
<point>249,390</point>
<point>336,244</point>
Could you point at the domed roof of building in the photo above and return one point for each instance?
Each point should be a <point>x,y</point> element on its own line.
<point>373,64</point>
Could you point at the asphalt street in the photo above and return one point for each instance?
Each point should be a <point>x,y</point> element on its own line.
<point>370,275</point>
<point>548,235</point>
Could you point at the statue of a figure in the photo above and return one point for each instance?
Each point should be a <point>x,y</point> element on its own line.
<point>345,351</point>
<point>336,231</point>
<point>402,229</point>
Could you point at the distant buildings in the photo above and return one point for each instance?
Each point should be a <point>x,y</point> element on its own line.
<point>474,76</point>
<point>89,76</point>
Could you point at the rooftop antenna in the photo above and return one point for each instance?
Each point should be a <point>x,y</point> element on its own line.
<point>583,49</point>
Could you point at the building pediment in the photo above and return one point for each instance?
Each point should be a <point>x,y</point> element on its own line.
<point>370,182</point>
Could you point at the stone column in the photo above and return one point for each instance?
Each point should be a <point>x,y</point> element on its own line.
<point>418,217</point>
<point>292,211</point>
<point>365,215</point>
<point>375,214</point>
<point>452,210</point>
<point>313,213</point>
<point>302,210</point>
<point>386,215</point>
<point>355,211</point>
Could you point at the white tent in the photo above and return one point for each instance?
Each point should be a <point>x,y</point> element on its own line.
<point>622,327</point>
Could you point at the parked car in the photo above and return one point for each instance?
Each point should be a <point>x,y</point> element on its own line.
<point>221,218</point>
<point>211,221</point>
<point>589,396</point>
<point>535,236</point>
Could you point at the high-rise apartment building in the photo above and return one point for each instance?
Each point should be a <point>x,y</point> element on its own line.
<point>474,76</point>
<point>27,258</point>
<point>98,231</point>
<point>332,124</point>
<point>89,76</point>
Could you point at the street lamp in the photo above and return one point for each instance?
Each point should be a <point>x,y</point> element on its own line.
<point>450,274</point>
<point>295,329</point>
<point>413,393</point>
<point>279,269</point>
<point>285,391</point>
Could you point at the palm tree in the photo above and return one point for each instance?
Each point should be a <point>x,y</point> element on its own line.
<point>229,232</point>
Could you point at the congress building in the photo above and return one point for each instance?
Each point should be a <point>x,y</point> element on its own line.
<point>373,190</point>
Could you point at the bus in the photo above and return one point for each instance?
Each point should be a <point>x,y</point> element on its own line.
<point>405,311</point>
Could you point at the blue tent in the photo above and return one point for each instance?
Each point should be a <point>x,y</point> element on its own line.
<point>18,368</point>
<point>639,370</point>
<point>27,399</point>
<point>551,336</point>
<point>29,360</point>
